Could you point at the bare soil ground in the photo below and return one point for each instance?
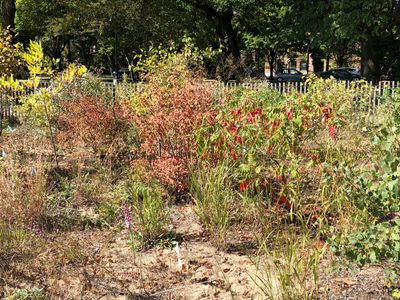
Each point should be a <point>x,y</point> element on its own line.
<point>99,264</point>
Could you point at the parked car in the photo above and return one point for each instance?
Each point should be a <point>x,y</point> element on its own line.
<point>348,74</point>
<point>351,70</point>
<point>124,71</point>
<point>286,75</point>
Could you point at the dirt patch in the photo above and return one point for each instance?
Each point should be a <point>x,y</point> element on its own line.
<point>99,264</point>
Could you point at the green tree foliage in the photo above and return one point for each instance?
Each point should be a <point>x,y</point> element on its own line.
<point>92,32</point>
<point>374,26</point>
<point>108,33</point>
<point>222,15</point>
<point>270,29</point>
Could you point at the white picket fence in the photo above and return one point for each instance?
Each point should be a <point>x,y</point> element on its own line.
<point>375,91</point>
<point>9,101</point>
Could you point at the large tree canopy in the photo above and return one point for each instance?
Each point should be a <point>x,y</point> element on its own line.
<point>92,31</point>
<point>107,33</point>
<point>375,26</point>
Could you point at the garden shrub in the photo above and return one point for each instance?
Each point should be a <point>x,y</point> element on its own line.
<point>10,66</point>
<point>375,190</point>
<point>286,148</point>
<point>170,108</point>
<point>8,85</point>
<point>261,129</point>
<point>41,107</point>
<point>87,121</point>
<point>11,60</point>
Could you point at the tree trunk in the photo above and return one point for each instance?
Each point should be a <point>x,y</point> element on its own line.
<point>231,35</point>
<point>8,10</point>
<point>271,56</point>
<point>308,58</point>
<point>342,50</point>
<point>371,59</point>
<point>328,61</point>
<point>340,59</point>
<point>69,49</point>
<point>223,25</point>
<point>318,64</point>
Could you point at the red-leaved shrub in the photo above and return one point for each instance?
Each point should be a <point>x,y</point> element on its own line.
<point>103,128</point>
<point>168,114</point>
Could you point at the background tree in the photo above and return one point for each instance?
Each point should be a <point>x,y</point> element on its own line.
<point>8,9</point>
<point>312,25</point>
<point>92,32</point>
<point>375,26</point>
<point>269,29</point>
<point>107,33</point>
<point>221,14</point>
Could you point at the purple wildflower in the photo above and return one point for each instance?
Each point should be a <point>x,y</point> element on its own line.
<point>127,216</point>
<point>37,231</point>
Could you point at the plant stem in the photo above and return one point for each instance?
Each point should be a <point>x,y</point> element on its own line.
<point>52,138</point>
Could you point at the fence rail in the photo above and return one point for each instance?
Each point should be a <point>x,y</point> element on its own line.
<point>10,101</point>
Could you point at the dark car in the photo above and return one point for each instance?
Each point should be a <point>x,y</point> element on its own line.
<point>124,71</point>
<point>350,70</point>
<point>286,75</point>
<point>348,74</point>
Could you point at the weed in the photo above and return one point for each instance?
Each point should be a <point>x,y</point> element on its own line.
<point>23,294</point>
<point>11,239</point>
<point>72,252</point>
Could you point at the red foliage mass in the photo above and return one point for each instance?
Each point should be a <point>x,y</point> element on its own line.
<point>86,120</point>
<point>167,129</point>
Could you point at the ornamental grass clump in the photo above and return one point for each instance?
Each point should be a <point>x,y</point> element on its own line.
<point>213,195</point>
<point>290,271</point>
<point>145,210</point>
<point>23,193</point>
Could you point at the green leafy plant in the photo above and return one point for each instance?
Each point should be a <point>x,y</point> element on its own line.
<point>8,86</point>
<point>24,294</point>
<point>379,242</point>
<point>285,151</point>
<point>11,61</point>
<point>376,192</point>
